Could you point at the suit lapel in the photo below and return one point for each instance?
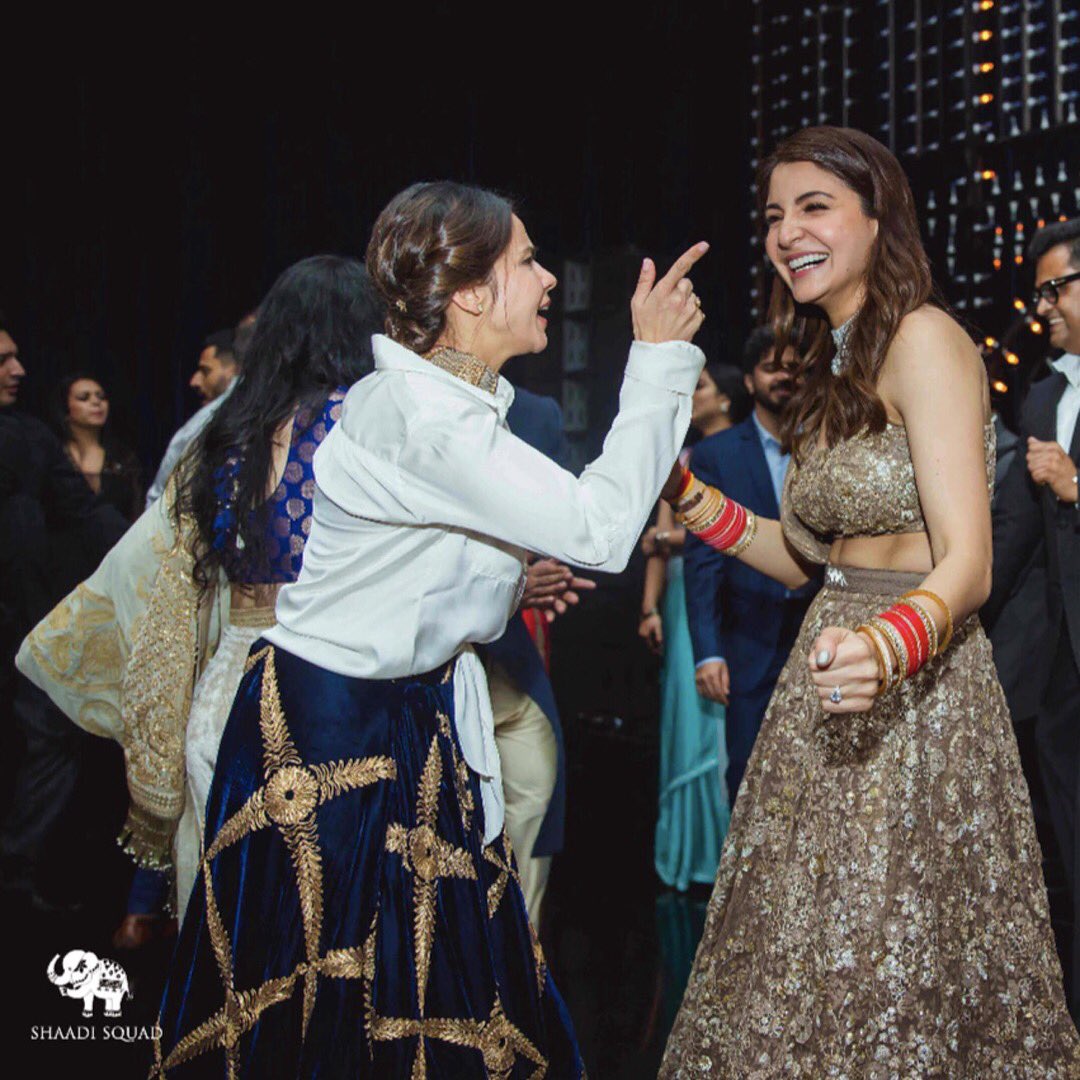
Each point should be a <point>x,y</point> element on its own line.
<point>1048,432</point>
<point>759,470</point>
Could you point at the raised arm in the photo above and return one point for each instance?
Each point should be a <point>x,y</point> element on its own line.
<point>461,468</point>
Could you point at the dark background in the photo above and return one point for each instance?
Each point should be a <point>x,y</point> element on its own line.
<point>155,184</point>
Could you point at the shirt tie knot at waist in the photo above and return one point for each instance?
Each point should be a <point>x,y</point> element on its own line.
<point>476,734</point>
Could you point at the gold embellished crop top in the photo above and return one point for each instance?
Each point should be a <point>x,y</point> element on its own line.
<point>864,486</point>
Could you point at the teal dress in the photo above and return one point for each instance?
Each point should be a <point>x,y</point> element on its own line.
<point>694,810</point>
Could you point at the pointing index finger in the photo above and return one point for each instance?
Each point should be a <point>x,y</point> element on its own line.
<point>682,266</point>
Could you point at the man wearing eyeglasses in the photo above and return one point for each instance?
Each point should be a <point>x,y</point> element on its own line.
<point>1037,530</point>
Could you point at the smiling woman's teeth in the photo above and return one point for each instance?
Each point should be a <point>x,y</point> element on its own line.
<point>805,261</point>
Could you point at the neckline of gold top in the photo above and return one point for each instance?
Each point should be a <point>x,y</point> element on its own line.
<point>464,366</point>
<point>840,340</point>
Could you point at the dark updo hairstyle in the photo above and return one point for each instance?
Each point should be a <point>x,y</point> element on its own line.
<point>431,240</point>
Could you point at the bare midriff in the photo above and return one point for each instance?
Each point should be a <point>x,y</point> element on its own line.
<point>907,552</point>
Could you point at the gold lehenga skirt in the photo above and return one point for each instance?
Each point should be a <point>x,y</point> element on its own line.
<point>879,911</point>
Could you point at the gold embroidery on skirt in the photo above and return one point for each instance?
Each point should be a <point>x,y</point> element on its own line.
<point>505,864</point>
<point>428,857</point>
<point>288,799</point>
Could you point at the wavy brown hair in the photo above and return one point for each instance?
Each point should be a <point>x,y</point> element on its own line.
<point>897,281</point>
<point>431,240</point>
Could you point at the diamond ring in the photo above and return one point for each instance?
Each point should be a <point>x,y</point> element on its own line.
<point>836,697</point>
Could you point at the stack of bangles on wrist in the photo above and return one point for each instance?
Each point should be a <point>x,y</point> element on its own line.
<point>712,517</point>
<point>906,637</point>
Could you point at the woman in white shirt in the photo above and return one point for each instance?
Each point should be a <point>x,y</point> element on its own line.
<point>358,912</point>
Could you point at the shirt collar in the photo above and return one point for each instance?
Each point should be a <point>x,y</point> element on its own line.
<point>392,356</point>
<point>1069,366</point>
<point>765,436</point>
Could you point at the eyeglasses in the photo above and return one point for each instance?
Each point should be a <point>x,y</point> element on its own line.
<point>1048,290</point>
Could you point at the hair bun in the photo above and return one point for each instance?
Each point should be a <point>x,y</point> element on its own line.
<point>431,240</point>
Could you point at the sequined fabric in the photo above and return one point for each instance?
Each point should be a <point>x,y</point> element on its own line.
<point>879,911</point>
<point>864,486</point>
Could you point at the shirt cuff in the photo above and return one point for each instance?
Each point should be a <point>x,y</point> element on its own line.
<point>667,365</point>
<point>710,660</point>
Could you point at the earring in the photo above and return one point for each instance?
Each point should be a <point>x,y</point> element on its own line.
<point>480,308</point>
<point>725,406</point>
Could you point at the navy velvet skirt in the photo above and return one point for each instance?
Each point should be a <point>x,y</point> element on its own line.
<point>347,919</point>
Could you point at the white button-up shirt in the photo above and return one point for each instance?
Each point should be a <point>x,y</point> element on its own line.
<point>1069,405</point>
<point>424,508</point>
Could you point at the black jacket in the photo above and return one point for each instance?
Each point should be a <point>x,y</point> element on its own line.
<point>1034,532</point>
<point>43,500</point>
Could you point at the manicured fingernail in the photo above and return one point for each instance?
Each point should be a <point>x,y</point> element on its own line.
<point>823,658</point>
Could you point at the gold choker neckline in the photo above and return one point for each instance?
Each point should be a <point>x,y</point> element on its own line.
<point>464,366</point>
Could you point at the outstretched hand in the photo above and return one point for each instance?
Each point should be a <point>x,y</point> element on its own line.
<point>842,658</point>
<point>552,588</point>
<point>668,309</point>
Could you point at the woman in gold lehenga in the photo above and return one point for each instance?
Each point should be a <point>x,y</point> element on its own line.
<point>879,909</point>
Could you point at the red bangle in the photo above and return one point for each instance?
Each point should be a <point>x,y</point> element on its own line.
<point>907,636</point>
<point>911,617</point>
<point>684,484</point>
<point>727,529</point>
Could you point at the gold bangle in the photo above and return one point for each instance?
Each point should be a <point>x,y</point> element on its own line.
<point>692,497</point>
<point>944,607</point>
<point>927,621</point>
<point>747,537</point>
<point>890,664</point>
<point>883,673</point>
<point>892,636</point>
<point>701,517</point>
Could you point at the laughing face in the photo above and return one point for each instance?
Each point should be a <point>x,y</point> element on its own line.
<point>819,238</point>
<point>1063,316</point>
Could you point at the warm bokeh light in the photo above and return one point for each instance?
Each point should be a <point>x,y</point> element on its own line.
<point>1012,358</point>
<point>986,5</point>
<point>988,174</point>
<point>991,343</point>
<point>1036,327</point>
<point>1018,260</point>
<point>997,264</point>
<point>985,99</point>
<point>1019,304</point>
<point>985,68</point>
<point>999,386</point>
<point>985,35</point>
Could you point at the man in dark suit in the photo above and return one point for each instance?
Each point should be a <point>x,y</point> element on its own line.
<point>1037,525</point>
<point>42,496</point>
<point>742,623</point>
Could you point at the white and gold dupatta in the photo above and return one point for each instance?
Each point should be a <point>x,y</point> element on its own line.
<point>120,656</point>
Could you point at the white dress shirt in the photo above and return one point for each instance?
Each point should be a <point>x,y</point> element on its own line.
<point>425,505</point>
<point>1069,405</point>
<point>184,437</point>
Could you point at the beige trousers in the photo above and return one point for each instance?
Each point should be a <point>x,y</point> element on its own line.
<point>529,756</point>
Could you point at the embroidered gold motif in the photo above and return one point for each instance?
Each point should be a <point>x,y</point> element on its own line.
<point>466,367</point>
<point>497,1039</point>
<point>507,870</point>
<point>291,794</point>
<point>429,857</point>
